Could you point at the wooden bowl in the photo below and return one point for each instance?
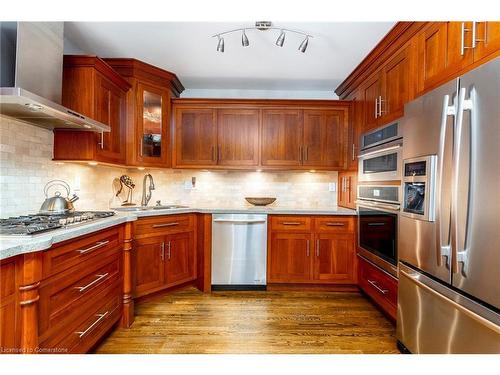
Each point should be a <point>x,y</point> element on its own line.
<point>260,201</point>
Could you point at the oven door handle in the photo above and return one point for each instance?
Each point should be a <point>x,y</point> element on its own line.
<point>389,207</point>
<point>379,151</point>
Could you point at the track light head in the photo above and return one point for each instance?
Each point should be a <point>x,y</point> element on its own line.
<point>281,39</point>
<point>303,45</point>
<point>220,44</point>
<point>244,39</point>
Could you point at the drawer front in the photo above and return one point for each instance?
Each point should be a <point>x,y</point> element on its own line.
<point>290,223</point>
<point>95,246</point>
<point>379,286</point>
<point>163,225</point>
<point>64,295</point>
<point>86,329</point>
<point>334,224</point>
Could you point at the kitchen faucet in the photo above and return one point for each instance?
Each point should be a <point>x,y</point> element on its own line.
<point>146,196</point>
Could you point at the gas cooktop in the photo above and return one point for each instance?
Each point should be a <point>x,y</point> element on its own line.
<point>38,223</point>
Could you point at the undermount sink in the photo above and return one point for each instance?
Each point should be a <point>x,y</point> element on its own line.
<point>149,208</point>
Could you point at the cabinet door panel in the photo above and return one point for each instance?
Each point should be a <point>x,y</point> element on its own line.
<point>356,123</point>
<point>179,258</point>
<point>152,131</point>
<point>334,258</point>
<point>455,59</point>
<point>432,53</point>
<point>325,137</point>
<point>281,137</point>
<point>487,39</point>
<point>196,137</point>
<point>238,137</point>
<point>289,257</point>
<point>109,109</point>
<point>396,82</point>
<point>371,94</point>
<point>149,268</point>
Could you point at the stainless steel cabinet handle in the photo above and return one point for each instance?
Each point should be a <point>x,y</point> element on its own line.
<point>317,248</point>
<point>380,106</point>
<point>301,156</point>
<point>214,157</point>
<point>101,144</point>
<point>353,150</point>
<point>141,147</point>
<point>376,107</point>
<point>165,225</point>
<point>307,248</point>
<point>463,47</point>
<point>334,224</point>
<point>94,247</point>
<point>291,223</point>
<point>100,317</point>
<point>306,153</point>
<point>218,153</point>
<point>169,250</point>
<point>239,221</point>
<point>163,251</point>
<point>99,278</point>
<point>474,32</point>
<point>383,291</point>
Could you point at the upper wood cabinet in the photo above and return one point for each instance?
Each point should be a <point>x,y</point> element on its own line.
<point>195,137</point>
<point>347,189</point>
<point>282,131</point>
<point>355,125</point>
<point>371,92</point>
<point>238,137</point>
<point>93,88</point>
<point>148,111</point>
<point>487,39</point>
<point>325,138</point>
<point>247,134</point>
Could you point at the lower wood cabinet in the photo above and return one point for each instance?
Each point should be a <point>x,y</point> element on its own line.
<point>9,306</point>
<point>314,250</point>
<point>379,285</point>
<point>167,257</point>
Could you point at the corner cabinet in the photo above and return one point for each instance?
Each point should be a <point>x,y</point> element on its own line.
<point>164,252</point>
<point>93,88</point>
<point>249,134</point>
<point>148,111</point>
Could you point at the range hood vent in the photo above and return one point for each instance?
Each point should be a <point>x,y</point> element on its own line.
<point>31,77</point>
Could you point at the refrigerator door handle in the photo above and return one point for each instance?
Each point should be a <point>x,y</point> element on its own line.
<point>459,251</point>
<point>442,251</point>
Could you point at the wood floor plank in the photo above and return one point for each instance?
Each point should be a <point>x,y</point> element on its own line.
<point>285,322</point>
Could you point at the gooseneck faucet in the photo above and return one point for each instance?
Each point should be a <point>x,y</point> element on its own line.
<point>146,195</point>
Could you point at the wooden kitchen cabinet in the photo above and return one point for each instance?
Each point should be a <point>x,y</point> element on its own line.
<point>282,132</point>
<point>9,306</point>
<point>148,106</point>
<point>238,137</point>
<point>347,189</point>
<point>93,88</point>
<point>311,250</point>
<point>179,258</point>
<point>371,89</point>
<point>165,252</point>
<point>195,137</point>
<point>487,39</point>
<point>289,259</point>
<point>334,255</point>
<point>355,126</point>
<point>149,266</point>
<point>325,138</point>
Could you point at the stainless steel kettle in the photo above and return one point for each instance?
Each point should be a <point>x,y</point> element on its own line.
<point>57,204</point>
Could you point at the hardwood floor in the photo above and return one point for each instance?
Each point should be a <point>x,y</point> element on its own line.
<point>189,321</point>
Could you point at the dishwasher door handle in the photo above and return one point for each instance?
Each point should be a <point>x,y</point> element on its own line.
<point>239,221</point>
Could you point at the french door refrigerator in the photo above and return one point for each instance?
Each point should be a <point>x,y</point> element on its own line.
<point>449,256</point>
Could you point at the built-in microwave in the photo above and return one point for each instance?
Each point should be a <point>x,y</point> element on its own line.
<point>380,154</point>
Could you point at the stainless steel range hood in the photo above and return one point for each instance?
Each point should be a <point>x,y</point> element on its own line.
<point>31,77</point>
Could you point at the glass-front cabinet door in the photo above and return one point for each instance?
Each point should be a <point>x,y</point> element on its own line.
<point>153,104</point>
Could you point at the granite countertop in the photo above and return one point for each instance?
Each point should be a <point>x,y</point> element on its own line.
<point>12,246</point>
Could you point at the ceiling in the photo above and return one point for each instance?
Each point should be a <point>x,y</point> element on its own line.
<point>187,49</point>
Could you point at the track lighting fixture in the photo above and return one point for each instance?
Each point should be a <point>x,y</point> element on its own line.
<point>244,39</point>
<point>303,45</point>
<point>220,44</point>
<point>281,39</point>
<point>263,26</point>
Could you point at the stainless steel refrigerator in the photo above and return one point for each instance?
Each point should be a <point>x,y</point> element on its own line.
<point>449,237</point>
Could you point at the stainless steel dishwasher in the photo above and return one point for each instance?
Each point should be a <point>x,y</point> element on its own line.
<point>239,251</point>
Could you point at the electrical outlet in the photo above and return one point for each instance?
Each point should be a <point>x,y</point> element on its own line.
<point>332,186</point>
<point>76,184</point>
<point>188,185</point>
